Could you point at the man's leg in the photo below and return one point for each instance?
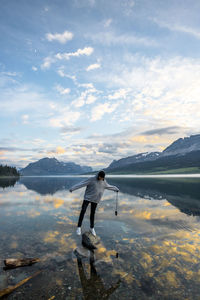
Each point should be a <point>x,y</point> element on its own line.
<point>83,210</point>
<point>92,213</point>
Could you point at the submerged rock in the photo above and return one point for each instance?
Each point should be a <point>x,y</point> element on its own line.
<point>89,240</point>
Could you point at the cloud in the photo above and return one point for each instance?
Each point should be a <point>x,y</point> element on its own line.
<point>31,102</point>
<point>83,3</point>
<point>12,74</point>
<point>162,131</point>
<point>60,37</point>
<point>49,60</point>
<point>128,142</point>
<point>67,117</point>
<point>79,102</point>
<point>128,6</point>
<point>110,38</point>
<point>119,94</point>
<point>84,99</point>
<point>90,99</point>
<point>93,67</point>
<point>107,23</point>
<point>87,85</point>
<point>177,27</point>
<point>34,68</point>
<point>162,92</point>
<point>61,90</point>
<point>87,96</point>
<point>114,136</point>
<point>62,74</point>
<point>71,129</point>
<point>85,51</point>
<point>23,98</point>
<point>99,110</point>
<point>15,149</point>
<point>25,119</point>
<point>92,2</point>
<point>38,141</point>
<point>8,78</point>
<point>108,148</point>
<point>60,150</point>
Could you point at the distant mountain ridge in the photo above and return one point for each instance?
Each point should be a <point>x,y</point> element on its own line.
<point>145,156</point>
<point>183,145</point>
<point>51,166</point>
<point>184,152</point>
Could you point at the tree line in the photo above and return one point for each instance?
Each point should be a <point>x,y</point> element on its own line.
<point>8,171</point>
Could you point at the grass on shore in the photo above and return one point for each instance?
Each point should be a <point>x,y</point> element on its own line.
<point>191,170</point>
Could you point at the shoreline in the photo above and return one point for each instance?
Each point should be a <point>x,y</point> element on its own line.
<point>195,175</point>
<point>6,176</point>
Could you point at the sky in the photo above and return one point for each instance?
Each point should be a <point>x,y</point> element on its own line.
<point>90,81</point>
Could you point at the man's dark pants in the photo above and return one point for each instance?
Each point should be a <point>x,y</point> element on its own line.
<point>92,212</point>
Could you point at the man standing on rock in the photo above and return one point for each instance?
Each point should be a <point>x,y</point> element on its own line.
<point>93,194</point>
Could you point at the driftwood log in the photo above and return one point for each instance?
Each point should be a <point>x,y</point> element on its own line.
<point>89,240</point>
<point>12,263</point>
<point>11,288</point>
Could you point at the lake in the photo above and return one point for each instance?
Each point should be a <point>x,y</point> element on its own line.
<point>150,250</point>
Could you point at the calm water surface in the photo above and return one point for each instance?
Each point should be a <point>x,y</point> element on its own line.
<point>150,250</point>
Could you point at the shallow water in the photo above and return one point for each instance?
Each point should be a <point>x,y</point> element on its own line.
<point>150,250</point>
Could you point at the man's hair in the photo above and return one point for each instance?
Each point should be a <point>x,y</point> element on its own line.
<point>101,174</point>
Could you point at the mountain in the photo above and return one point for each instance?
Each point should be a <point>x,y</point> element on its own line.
<point>51,166</point>
<point>134,159</point>
<point>188,163</point>
<point>182,153</point>
<point>183,146</point>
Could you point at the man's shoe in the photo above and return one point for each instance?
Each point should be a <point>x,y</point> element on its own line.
<point>93,231</point>
<point>78,230</point>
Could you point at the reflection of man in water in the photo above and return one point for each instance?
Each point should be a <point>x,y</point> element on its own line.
<point>93,288</point>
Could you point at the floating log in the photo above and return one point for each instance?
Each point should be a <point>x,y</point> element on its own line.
<point>12,263</point>
<point>89,240</point>
<point>11,288</point>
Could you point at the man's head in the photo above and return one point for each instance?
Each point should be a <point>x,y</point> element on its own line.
<point>101,175</point>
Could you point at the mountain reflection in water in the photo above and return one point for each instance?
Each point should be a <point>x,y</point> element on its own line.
<point>184,193</point>
<point>156,234</point>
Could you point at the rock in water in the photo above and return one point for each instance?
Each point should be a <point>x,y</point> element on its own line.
<point>89,240</point>
<point>12,263</point>
<point>82,252</point>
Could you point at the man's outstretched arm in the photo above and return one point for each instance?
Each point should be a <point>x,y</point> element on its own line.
<point>111,187</point>
<point>80,185</point>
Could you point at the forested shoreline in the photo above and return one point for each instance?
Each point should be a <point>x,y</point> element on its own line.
<point>8,171</point>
